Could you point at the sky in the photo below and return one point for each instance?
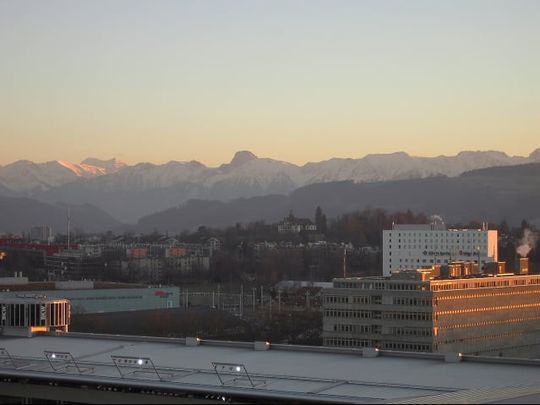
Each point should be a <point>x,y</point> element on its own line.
<point>296,80</point>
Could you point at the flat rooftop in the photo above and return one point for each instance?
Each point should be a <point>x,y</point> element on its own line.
<point>283,372</point>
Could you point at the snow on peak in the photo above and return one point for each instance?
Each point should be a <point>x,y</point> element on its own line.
<point>108,166</point>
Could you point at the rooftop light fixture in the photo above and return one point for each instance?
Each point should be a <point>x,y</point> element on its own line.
<point>61,362</point>
<point>234,374</point>
<point>131,366</point>
<point>5,358</point>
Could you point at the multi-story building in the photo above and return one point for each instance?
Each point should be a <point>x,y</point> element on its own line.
<point>407,247</point>
<point>449,308</point>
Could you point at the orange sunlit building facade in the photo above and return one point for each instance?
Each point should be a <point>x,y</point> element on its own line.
<point>485,314</point>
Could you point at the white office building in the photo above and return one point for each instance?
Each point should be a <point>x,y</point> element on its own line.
<point>408,247</point>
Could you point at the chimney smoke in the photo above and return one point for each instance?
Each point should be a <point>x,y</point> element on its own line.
<point>527,242</point>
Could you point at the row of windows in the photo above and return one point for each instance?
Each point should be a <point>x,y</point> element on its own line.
<point>377,300</point>
<point>347,313</point>
<point>407,346</point>
<point>408,316</point>
<point>423,260</point>
<point>346,342</point>
<point>412,331</point>
<point>474,234</point>
<point>493,308</point>
<point>412,301</point>
<point>332,299</point>
<point>381,285</point>
<point>486,294</point>
<point>356,299</point>
<point>377,329</point>
<point>488,323</point>
<point>395,315</point>
<point>500,282</point>
<point>348,328</point>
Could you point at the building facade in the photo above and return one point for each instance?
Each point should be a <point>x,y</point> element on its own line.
<point>97,300</point>
<point>496,314</point>
<point>407,247</point>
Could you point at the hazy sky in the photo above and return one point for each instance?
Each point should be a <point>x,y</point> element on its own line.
<point>293,80</point>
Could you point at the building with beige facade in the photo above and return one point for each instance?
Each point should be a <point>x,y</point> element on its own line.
<point>450,308</point>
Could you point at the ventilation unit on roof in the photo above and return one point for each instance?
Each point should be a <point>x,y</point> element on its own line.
<point>24,316</point>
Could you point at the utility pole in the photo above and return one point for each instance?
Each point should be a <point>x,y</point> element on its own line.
<point>253,290</point>
<point>241,300</point>
<point>262,297</point>
<point>279,300</point>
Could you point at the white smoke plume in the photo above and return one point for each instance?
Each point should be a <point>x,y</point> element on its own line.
<point>527,243</point>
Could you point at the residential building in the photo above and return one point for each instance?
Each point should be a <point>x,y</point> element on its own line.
<point>291,224</point>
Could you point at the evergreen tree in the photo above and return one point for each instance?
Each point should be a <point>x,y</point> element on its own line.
<point>320,220</point>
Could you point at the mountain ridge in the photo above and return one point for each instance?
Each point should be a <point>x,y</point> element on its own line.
<point>128,192</point>
<point>514,196</point>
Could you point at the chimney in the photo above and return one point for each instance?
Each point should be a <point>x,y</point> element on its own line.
<point>501,267</point>
<point>523,265</point>
<point>455,270</point>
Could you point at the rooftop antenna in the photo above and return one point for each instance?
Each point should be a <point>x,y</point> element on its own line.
<point>68,227</point>
<point>344,262</point>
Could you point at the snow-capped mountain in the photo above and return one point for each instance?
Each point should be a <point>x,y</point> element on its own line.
<point>128,192</point>
<point>25,176</point>
<point>401,166</point>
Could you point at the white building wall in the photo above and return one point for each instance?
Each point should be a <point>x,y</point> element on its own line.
<point>408,247</point>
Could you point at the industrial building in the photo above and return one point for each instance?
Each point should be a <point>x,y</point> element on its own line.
<point>94,297</point>
<point>408,247</point>
<point>448,308</point>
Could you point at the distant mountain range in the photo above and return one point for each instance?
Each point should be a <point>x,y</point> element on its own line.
<point>493,194</point>
<point>26,176</point>
<point>131,192</point>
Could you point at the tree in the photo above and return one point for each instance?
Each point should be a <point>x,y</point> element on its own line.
<point>320,220</point>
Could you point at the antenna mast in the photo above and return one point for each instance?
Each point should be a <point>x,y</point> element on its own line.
<point>68,227</point>
<point>344,262</point>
